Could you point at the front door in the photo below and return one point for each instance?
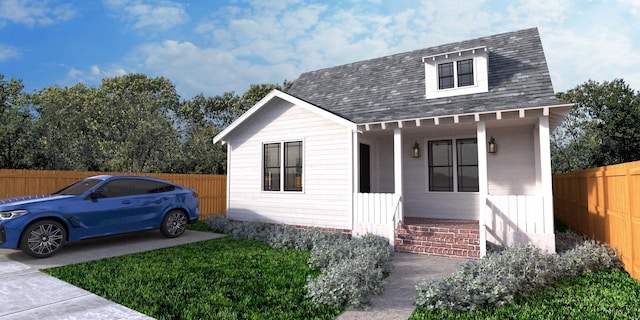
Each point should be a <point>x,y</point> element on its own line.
<point>365,168</point>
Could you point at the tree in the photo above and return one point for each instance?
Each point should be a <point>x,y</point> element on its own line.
<point>16,124</point>
<point>124,125</point>
<point>600,130</point>
<point>138,128</point>
<point>67,127</point>
<point>201,119</point>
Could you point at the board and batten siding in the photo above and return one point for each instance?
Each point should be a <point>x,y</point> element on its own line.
<point>512,169</point>
<point>327,195</point>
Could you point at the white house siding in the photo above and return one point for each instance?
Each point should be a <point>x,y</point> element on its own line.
<point>326,197</point>
<point>512,169</point>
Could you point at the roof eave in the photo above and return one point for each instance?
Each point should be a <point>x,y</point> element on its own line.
<point>561,109</point>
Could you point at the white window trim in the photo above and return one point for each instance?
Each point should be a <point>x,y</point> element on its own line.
<point>282,167</point>
<point>454,155</point>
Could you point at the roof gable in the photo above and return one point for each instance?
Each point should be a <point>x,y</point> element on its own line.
<point>276,94</point>
<point>393,87</point>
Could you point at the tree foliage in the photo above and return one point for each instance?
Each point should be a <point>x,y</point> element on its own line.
<point>15,124</point>
<point>132,123</point>
<point>602,129</point>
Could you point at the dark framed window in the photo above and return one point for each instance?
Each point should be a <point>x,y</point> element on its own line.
<point>445,75</point>
<point>460,76</point>
<point>282,166</point>
<point>440,166</point>
<point>293,166</point>
<point>443,166</point>
<point>467,165</point>
<point>116,188</point>
<point>141,186</point>
<point>465,73</point>
<point>271,167</point>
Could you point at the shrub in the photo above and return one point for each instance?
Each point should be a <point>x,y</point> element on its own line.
<point>589,256</point>
<point>351,269</point>
<point>498,278</point>
<point>349,282</point>
<point>218,223</point>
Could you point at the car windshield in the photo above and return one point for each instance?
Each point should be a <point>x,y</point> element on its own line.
<point>78,187</point>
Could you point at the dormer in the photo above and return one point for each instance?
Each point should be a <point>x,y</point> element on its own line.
<point>456,73</point>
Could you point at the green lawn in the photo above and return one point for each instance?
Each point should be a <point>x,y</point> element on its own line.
<point>609,294</point>
<point>217,279</point>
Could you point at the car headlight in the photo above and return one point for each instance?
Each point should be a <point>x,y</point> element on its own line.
<point>6,215</point>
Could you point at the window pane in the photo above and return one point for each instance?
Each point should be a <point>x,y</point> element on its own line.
<point>465,73</point>
<point>445,75</point>
<point>293,166</point>
<point>440,166</point>
<point>441,179</point>
<point>145,186</point>
<point>467,159</point>
<point>117,188</point>
<point>271,167</point>
<point>467,152</point>
<point>468,179</point>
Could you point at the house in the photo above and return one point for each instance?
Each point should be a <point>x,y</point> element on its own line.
<point>453,139</point>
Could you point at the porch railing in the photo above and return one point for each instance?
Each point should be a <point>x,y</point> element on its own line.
<point>377,213</point>
<point>519,218</point>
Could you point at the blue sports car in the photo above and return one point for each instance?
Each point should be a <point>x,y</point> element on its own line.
<point>93,207</point>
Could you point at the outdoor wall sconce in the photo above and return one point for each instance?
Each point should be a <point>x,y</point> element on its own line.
<point>492,145</point>
<point>415,151</point>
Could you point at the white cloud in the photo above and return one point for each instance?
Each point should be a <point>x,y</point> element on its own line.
<point>149,15</point>
<point>32,12</point>
<point>195,70</point>
<point>8,53</point>
<point>94,74</point>
<point>254,41</point>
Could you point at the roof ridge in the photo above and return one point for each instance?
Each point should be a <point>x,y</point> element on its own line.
<point>427,48</point>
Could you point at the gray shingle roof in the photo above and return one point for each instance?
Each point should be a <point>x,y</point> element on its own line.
<point>393,87</point>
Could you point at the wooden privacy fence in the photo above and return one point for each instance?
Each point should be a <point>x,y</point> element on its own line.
<point>211,189</point>
<point>603,203</point>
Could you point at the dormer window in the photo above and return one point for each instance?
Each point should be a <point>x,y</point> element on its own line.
<point>445,75</point>
<point>461,76</point>
<point>456,73</point>
<point>465,73</point>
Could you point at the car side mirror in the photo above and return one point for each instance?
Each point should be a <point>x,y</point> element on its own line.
<point>98,194</point>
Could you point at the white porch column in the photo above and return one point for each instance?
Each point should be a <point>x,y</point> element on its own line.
<point>483,183</point>
<point>545,173</point>
<point>355,176</point>
<point>397,166</point>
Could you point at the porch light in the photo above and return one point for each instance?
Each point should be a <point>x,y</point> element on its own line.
<point>492,145</point>
<point>415,151</point>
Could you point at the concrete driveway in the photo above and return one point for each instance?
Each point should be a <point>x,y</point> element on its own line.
<point>28,293</point>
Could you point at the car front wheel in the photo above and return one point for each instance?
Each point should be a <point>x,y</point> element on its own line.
<point>43,238</point>
<point>174,224</point>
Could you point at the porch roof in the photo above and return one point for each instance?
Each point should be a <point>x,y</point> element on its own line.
<point>392,89</point>
<point>556,114</point>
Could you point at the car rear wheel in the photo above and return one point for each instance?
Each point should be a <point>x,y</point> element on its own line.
<point>174,224</point>
<point>43,238</point>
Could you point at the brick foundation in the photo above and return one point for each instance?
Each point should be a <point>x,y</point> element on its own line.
<point>437,237</point>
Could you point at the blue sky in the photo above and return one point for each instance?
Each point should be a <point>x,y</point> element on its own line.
<point>216,46</point>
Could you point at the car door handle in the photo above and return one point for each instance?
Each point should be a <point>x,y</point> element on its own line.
<point>126,202</point>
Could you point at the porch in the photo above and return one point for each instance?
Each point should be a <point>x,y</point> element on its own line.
<point>503,220</point>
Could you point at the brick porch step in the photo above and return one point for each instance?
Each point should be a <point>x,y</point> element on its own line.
<point>439,237</point>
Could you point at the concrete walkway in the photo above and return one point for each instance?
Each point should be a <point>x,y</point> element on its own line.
<point>27,293</point>
<point>400,287</point>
